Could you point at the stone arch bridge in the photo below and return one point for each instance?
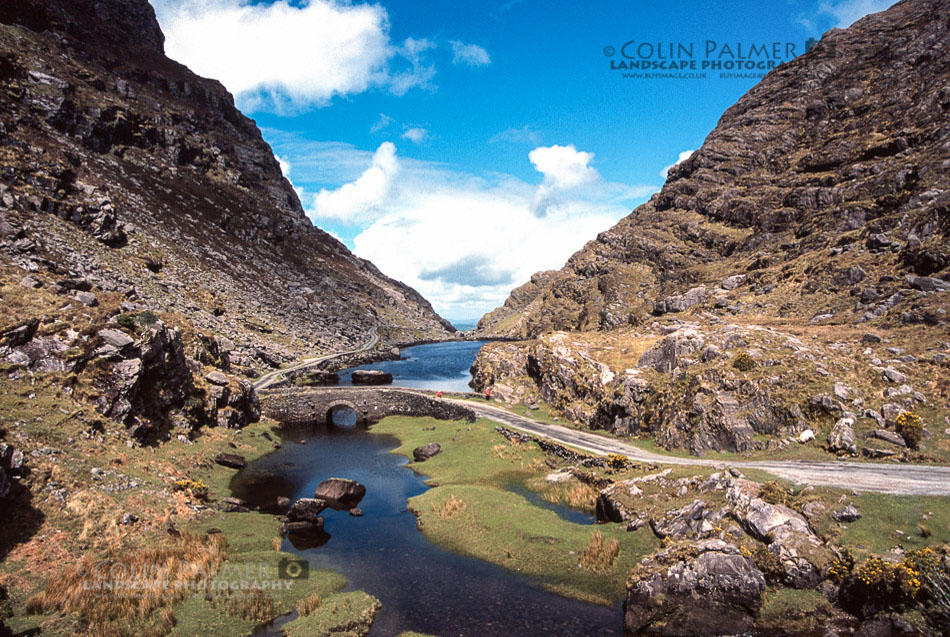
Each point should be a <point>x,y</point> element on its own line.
<point>294,406</point>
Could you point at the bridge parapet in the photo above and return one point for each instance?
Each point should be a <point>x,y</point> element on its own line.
<point>295,406</point>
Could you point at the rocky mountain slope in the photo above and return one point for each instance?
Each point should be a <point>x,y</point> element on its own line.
<point>790,282</point>
<point>814,197</point>
<point>123,169</point>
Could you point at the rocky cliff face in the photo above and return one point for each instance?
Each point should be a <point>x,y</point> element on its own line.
<point>122,169</point>
<point>822,189</point>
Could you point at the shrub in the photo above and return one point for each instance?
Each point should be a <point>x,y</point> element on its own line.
<point>147,317</point>
<point>743,362</point>
<point>772,493</point>
<point>198,489</point>
<point>911,429</point>
<point>127,321</point>
<point>841,566</point>
<point>616,461</point>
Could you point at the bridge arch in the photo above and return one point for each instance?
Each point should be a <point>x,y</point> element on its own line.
<point>341,402</point>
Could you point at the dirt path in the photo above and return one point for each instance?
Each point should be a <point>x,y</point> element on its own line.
<point>269,379</point>
<point>903,479</point>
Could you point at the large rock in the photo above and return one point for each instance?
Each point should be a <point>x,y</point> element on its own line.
<point>786,532</point>
<point>668,353</point>
<point>230,460</point>
<point>693,520</point>
<point>706,588</point>
<point>340,492</point>
<point>423,453</point>
<point>680,302</point>
<point>842,438</point>
<point>306,510</point>
<point>371,377</point>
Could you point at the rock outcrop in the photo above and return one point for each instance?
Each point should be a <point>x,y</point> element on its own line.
<point>706,588</point>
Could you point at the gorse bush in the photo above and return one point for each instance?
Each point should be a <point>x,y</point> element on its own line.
<point>198,489</point>
<point>743,362</point>
<point>911,429</point>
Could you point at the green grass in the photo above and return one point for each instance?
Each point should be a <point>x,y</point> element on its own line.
<point>345,614</point>
<point>471,511</point>
<point>884,515</point>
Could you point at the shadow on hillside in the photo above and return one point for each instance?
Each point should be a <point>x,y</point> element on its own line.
<point>21,520</point>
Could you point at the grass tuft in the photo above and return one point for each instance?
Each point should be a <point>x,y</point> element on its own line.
<point>600,553</point>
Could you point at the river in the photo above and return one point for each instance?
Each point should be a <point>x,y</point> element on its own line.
<point>422,587</point>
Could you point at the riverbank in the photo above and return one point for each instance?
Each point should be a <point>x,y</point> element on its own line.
<point>476,507</point>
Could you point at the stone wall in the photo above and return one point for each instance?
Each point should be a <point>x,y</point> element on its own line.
<point>310,406</point>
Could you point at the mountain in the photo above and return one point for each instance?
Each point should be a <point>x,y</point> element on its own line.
<point>819,191</point>
<point>788,283</point>
<point>123,172</point>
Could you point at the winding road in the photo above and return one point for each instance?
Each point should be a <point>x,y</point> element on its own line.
<point>902,479</point>
<point>269,379</point>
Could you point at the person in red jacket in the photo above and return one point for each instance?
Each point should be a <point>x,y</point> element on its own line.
<point>488,393</point>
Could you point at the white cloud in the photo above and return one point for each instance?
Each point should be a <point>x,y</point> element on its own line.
<point>284,165</point>
<point>288,55</point>
<point>462,240</point>
<point>564,168</point>
<point>524,135</point>
<point>356,200</point>
<point>416,134</point>
<point>384,122</point>
<point>847,12</point>
<point>683,156</point>
<point>469,54</point>
<point>420,74</point>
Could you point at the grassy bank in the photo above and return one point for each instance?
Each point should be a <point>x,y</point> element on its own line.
<point>470,510</point>
<point>92,498</point>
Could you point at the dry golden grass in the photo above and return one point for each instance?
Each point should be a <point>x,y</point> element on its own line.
<point>450,508</point>
<point>577,495</point>
<point>256,606</point>
<point>308,605</point>
<point>131,592</point>
<point>600,553</point>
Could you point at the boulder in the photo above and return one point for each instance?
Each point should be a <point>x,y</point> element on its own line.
<point>217,378</point>
<point>231,460</point>
<point>846,514</point>
<point>302,527</point>
<point>340,492</point>
<point>319,378</point>
<point>693,520</point>
<point>706,588</point>
<point>680,302</point>
<point>841,438</point>
<point>305,510</point>
<point>423,453</point>
<point>786,532</point>
<point>233,505</point>
<point>888,436</point>
<point>732,282</point>
<point>666,355</point>
<point>371,377</point>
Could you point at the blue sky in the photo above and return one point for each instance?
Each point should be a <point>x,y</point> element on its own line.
<point>462,146</point>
